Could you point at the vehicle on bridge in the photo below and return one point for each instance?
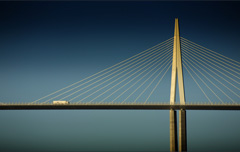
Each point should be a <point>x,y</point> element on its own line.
<point>61,102</point>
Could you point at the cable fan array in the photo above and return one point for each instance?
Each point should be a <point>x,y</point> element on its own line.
<point>208,77</point>
<point>217,76</point>
<point>136,80</point>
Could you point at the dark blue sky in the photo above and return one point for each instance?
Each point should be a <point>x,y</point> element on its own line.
<point>46,46</point>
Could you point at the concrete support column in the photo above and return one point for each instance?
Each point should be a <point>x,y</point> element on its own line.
<point>173,131</point>
<point>182,130</point>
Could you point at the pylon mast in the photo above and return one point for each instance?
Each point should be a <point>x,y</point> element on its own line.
<point>177,68</point>
<point>177,71</point>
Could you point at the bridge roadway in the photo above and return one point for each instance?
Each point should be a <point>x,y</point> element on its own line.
<point>116,106</point>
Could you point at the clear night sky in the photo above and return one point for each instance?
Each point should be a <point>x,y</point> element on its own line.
<point>46,46</point>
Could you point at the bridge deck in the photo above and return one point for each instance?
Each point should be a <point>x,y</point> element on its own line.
<point>119,107</point>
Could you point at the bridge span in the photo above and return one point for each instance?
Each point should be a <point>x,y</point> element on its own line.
<point>116,106</point>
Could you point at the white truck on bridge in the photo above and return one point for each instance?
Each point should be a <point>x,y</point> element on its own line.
<point>61,102</point>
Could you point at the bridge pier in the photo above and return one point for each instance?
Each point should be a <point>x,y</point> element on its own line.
<point>176,145</point>
<point>173,130</point>
<point>182,130</point>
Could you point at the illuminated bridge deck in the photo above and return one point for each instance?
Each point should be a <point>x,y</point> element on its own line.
<point>116,106</point>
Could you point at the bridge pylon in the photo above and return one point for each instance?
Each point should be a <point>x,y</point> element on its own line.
<point>177,71</point>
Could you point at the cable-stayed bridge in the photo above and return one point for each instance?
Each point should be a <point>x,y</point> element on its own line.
<point>153,79</point>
